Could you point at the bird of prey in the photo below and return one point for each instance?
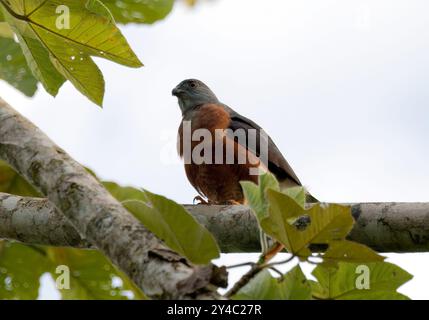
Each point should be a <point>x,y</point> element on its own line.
<point>219,181</point>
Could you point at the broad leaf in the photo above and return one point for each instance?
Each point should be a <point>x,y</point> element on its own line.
<point>169,221</point>
<point>149,11</point>
<point>5,30</point>
<point>327,223</point>
<point>40,64</point>
<point>293,286</point>
<point>49,43</point>
<point>92,276</point>
<point>256,194</point>
<point>11,182</point>
<point>348,251</point>
<point>180,231</point>
<point>125,193</point>
<point>20,270</point>
<point>298,194</point>
<point>351,281</point>
<point>14,68</point>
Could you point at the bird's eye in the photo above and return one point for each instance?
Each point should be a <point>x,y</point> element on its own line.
<point>193,84</point>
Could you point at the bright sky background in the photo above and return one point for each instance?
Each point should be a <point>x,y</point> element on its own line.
<point>340,85</point>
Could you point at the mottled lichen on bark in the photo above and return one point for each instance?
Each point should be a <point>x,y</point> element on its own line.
<point>92,211</point>
<point>404,231</point>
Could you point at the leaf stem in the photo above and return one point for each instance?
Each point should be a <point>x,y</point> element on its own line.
<point>245,280</point>
<point>258,267</point>
<point>13,13</point>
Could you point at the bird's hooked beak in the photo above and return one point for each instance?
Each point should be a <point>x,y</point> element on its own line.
<point>177,91</point>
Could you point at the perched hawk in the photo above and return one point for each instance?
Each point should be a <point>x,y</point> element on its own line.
<point>214,177</point>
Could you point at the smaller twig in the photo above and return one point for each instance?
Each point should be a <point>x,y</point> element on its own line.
<point>280,262</point>
<point>278,272</point>
<point>240,265</point>
<point>258,267</point>
<point>244,280</point>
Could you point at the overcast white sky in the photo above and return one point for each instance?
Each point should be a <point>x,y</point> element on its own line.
<point>340,85</point>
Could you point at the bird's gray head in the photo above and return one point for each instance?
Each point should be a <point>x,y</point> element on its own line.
<point>193,93</point>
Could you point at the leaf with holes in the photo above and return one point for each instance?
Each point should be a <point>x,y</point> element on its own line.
<point>354,281</point>
<point>327,223</point>
<point>59,38</point>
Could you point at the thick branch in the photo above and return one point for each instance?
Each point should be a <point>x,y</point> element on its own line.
<point>95,214</point>
<point>386,227</point>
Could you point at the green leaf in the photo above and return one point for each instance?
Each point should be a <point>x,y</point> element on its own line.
<point>256,194</point>
<point>92,273</point>
<point>5,30</point>
<point>149,11</point>
<point>327,223</point>
<point>169,221</point>
<point>345,282</point>
<point>40,64</point>
<point>180,231</point>
<point>12,183</point>
<point>84,75</point>
<point>317,291</point>
<point>125,193</point>
<point>14,69</point>
<point>293,286</point>
<point>20,270</point>
<point>92,276</point>
<point>296,193</point>
<point>348,251</point>
<point>91,32</point>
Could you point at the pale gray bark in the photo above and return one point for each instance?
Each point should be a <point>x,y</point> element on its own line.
<point>95,214</point>
<point>36,221</point>
<point>386,227</point>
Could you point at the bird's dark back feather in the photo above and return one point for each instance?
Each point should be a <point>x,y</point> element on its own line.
<point>277,164</point>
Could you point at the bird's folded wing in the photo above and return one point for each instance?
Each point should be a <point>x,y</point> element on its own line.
<point>277,164</point>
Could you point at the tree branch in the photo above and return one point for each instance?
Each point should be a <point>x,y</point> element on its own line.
<point>386,227</point>
<point>94,213</point>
